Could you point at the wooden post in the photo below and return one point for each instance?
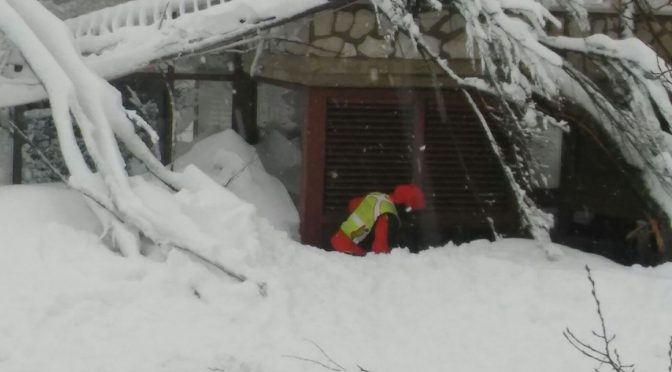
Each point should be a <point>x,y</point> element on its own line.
<point>312,184</point>
<point>244,104</point>
<point>167,132</point>
<point>17,158</point>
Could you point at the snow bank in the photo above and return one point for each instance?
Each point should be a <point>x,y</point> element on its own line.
<point>230,161</point>
<point>29,207</point>
<point>71,305</point>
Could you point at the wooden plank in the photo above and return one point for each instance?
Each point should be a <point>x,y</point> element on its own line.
<point>167,132</point>
<point>312,186</point>
<point>356,72</point>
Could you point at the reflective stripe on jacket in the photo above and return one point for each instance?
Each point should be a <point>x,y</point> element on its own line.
<point>360,222</point>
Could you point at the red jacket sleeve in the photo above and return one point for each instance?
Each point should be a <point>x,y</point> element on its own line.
<point>352,205</point>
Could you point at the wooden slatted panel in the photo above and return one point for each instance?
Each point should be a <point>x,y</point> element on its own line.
<point>462,175</point>
<point>368,148</point>
<point>371,145</point>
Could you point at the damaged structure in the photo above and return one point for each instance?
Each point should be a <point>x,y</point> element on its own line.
<point>340,103</point>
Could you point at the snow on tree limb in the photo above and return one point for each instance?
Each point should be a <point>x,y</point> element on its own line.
<point>534,220</point>
<point>113,46</point>
<point>96,106</point>
<point>521,64</point>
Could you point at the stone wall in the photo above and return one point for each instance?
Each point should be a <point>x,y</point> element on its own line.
<point>356,32</point>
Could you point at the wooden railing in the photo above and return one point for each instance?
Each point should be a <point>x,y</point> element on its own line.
<point>135,13</point>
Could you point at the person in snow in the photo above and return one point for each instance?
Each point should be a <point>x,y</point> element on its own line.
<point>376,212</point>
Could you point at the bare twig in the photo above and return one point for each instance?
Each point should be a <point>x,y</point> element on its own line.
<point>609,355</point>
<point>472,185</point>
<point>329,364</point>
<point>240,171</point>
<point>314,362</point>
<point>326,355</point>
<point>14,129</point>
<point>584,348</point>
<point>164,15</point>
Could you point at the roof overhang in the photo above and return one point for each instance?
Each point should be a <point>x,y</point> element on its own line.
<point>315,71</point>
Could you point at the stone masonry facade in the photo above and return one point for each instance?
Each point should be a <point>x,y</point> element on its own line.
<point>358,32</point>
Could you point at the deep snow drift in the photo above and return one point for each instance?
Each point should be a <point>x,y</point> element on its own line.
<point>230,161</point>
<point>71,305</point>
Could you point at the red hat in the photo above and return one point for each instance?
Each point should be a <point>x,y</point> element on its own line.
<point>409,194</point>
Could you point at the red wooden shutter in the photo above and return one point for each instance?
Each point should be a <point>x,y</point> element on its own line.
<point>368,148</point>
<point>376,139</point>
<point>462,176</point>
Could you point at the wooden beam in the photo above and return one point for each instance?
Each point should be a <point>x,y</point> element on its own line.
<point>181,76</point>
<point>356,73</point>
<point>312,183</point>
<point>244,104</point>
<point>167,132</point>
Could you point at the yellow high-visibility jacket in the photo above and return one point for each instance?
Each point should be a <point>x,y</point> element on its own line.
<point>361,221</point>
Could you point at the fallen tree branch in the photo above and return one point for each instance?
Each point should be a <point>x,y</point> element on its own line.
<point>262,287</point>
<point>532,218</point>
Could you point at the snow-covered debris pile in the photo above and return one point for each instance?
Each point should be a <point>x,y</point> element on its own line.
<point>69,304</point>
<point>282,158</point>
<point>231,162</point>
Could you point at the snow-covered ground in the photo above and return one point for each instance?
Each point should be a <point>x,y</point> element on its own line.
<point>71,305</point>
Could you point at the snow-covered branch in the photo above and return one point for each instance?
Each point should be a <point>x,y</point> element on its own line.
<point>521,64</point>
<point>119,40</point>
<point>75,90</point>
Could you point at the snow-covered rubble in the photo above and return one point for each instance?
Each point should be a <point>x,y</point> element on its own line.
<point>69,304</point>
<point>231,162</point>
